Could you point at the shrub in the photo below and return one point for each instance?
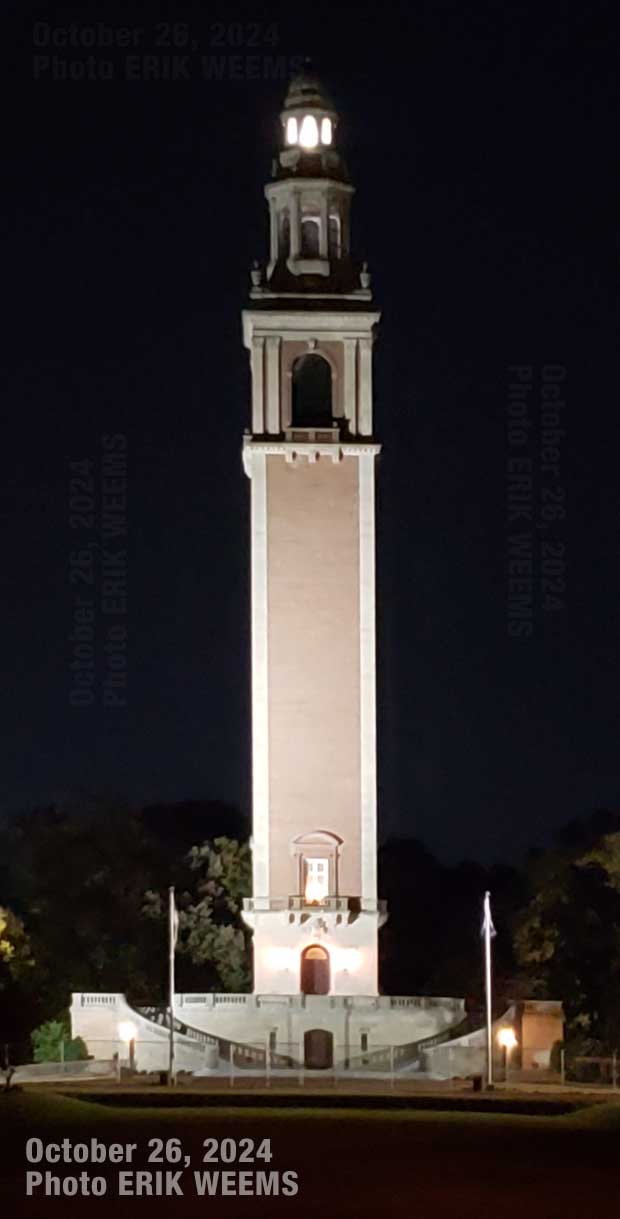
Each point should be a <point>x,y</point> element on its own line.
<point>46,1043</point>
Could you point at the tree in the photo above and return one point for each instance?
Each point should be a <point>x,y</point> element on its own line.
<point>211,933</point>
<point>15,950</point>
<point>567,939</point>
<point>81,875</point>
<point>20,986</point>
<point>431,942</point>
<point>76,874</point>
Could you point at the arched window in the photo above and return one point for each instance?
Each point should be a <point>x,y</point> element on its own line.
<point>314,979</point>
<point>310,236</point>
<point>315,863</point>
<point>326,131</point>
<point>312,392</point>
<point>309,132</point>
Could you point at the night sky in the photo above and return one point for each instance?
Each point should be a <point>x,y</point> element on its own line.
<point>483,145</point>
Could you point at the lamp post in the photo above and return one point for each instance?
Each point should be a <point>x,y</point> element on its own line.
<point>507,1039</point>
<point>127,1033</point>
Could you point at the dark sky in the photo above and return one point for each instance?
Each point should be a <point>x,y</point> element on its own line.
<point>483,144</point>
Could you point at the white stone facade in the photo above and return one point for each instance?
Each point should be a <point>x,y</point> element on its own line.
<point>359,1025</point>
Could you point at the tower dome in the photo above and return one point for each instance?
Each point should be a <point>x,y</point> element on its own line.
<point>305,91</point>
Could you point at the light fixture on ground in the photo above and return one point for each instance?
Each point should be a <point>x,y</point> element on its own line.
<point>127,1033</point>
<point>507,1039</point>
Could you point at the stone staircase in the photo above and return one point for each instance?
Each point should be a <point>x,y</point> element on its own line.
<point>239,1053</point>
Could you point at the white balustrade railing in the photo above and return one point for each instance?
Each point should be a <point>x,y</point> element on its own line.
<point>98,1000</point>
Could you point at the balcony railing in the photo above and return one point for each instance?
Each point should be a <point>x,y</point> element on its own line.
<point>298,901</point>
<point>319,434</point>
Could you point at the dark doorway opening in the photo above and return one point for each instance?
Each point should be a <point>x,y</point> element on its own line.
<point>315,971</point>
<point>318,1050</point>
<point>312,392</point>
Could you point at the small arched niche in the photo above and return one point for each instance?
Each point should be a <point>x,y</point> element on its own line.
<point>312,392</point>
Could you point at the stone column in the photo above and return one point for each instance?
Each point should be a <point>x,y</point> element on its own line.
<point>260,685</point>
<point>368,737</point>
<point>273,385</point>
<point>349,395</point>
<point>365,387</point>
<point>323,233</point>
<point>273,231</point>
<point>258,377</point>
<point>295,225</point>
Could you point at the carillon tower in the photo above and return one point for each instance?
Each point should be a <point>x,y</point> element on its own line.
<point>310,455</point>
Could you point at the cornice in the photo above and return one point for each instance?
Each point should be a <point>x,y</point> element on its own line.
<point>295,451</point>
<point>295,324</point>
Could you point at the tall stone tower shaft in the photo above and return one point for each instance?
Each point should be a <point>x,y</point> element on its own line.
<point>310,455</point>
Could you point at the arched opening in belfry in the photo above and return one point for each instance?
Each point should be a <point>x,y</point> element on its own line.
<point>310,237</point>
<point>335,236</point>
<point>314,971</point>
<point>312,392</point>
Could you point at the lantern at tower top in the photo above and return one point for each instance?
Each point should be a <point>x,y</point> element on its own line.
<point>309,121</point>
<point>308,118</point>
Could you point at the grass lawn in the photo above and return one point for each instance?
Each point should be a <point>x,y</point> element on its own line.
<point>350,1164</point>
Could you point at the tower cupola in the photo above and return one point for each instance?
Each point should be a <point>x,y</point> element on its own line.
<point>309,198</point>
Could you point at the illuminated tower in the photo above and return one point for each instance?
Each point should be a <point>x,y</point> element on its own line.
<point>310,455</point>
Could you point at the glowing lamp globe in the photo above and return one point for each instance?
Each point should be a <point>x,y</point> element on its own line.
<point>127,1031</point>
<point>507,1038</point>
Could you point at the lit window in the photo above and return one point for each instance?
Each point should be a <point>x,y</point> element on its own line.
<point>309,133</point>
<point>326,131</point>
<point>317,879</point>
<point>291,131</point>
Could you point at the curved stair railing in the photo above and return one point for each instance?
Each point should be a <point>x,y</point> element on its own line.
<point>242,1054</point>
<point>411,1052</point>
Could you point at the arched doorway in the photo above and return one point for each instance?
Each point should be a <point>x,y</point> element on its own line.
<point>318,1049</point>
<point>315,971</point>
<point>312,392</point>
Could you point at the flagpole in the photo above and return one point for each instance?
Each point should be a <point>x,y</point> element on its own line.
<point>487,985</point>
<point>172,1079</point>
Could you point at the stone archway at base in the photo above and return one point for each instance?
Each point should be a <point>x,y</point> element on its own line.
<point>318,1049</point>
